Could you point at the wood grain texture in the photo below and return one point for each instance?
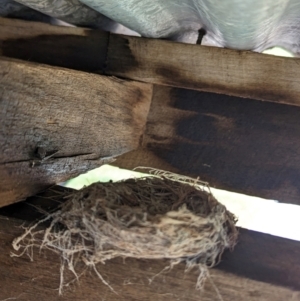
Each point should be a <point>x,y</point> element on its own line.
<point>69,47</point>
<point>57,123</point>
<point>17,29</point>
<point>39,280</point>
<point>239,73</point>
<point>235,144</point>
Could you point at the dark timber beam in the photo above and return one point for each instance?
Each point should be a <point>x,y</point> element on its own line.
<point>238,73</point>
<point>239,144</point>
<point>244,146</point>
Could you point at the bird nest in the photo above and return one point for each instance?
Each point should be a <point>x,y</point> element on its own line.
<point>156,217</point>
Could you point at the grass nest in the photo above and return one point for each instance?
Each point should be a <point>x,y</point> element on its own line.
<point>156,217</point>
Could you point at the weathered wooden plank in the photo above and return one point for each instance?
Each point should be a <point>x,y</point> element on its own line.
<point>57,123</point>
<point>265,258</point>
<point>235,144</point>
<point>17,29</point>
<point>212,69</point>
<point>39,280</point>
<point>69,47</point>
<point>238,73</point>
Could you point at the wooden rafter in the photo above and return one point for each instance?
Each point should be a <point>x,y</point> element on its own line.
<point>57,123</point>
<point>236,144</point>
<point>211,69</point>
<point>242,145</point>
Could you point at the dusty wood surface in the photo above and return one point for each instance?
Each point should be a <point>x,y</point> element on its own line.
<point>238,73</point>
<point>57,123</point>
<point>18,29</point>
<point>69,47</point>
<point>239,144</point>
<point>39,280</point>
<point>244,146</point>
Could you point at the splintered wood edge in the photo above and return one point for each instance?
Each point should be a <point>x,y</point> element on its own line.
<point>88,141</point>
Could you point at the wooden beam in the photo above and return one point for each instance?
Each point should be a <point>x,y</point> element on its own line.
<point>257,157</point>
<point>23,279</point>
<point>70,47</point>
<point>238,73</point>
<point>17,29</point>
<point>57,123</point>
<point>235,144</point>
<point>232,72</point>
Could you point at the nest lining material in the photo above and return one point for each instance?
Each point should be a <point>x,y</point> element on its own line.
<point>152,218</point>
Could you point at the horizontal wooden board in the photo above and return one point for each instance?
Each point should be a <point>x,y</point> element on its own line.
<point>239,73</point>
<point>235,144</point>
<point>39,279</point>
<point>69,47</point>
<point>58,123</point>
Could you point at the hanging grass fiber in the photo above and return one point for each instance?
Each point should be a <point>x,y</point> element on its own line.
<point>160,216</point>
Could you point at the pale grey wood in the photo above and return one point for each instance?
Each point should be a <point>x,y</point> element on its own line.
<point>57,123</point>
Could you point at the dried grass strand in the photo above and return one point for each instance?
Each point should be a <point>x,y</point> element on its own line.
<point>161,216</point>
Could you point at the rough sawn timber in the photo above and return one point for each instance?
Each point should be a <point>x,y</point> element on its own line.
<point>57,123</point>
<point>238,73</point>
<point>70,47</point>
<point>25,280</point>
<point>251,147</point>
<point>212,69</point>
<point>238,144</point>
